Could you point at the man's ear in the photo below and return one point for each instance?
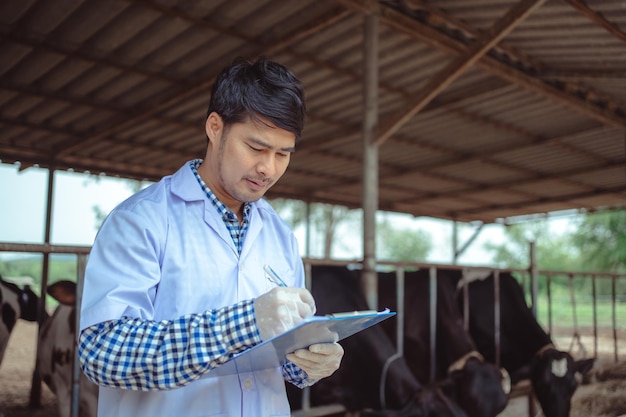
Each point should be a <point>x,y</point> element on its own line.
<point>214,127</point>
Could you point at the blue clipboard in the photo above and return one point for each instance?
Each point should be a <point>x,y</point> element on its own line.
<point>315,329</point>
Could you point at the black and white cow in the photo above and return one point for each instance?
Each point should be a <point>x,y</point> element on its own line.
<point>372,380</point>
<point>55,356</point>
<point>478,386</point>
<point>15,303</point>
<point>526,349</point>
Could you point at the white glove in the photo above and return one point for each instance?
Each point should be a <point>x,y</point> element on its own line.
<point>282,308</point>
<point>319,360</point>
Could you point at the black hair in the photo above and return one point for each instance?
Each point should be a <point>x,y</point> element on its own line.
<point>259,89</point>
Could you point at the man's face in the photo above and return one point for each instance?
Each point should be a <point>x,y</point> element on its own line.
<point>245,159</point>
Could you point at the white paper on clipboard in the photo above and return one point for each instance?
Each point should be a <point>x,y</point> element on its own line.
<point>314,329</point>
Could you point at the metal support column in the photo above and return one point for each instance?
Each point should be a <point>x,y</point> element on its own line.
<point>370,159</point>
<point>35,386</point>
<point>534,286</point>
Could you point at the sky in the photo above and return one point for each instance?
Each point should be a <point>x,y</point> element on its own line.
<point>22,216</point>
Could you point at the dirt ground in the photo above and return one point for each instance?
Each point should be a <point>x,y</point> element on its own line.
<point>601,399</point>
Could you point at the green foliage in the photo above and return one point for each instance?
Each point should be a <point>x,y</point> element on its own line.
<point>598,244</point>
<point>601,240</point>
<point>99,214</point>
<point>553,251</point>
<point>60,267</point>
<point>395,244</point>
<point>324,218</point>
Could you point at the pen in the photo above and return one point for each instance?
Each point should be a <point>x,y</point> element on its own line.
<point>273,276</point>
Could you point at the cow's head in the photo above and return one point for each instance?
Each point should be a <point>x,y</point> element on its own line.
<point>27,303</point>
<point>479,387</point>
<point>55,355</point>
<point>553,377</point>
<point>432,401</point>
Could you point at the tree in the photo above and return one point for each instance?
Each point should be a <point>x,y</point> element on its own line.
<point>324,219</point>
<point>399,244</point>
<point>393,243</point>
<point>99,214</point>
<point>553,251</point>
<point>601,240</point>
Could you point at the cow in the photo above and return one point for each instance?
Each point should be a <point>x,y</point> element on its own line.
<point>478,386</point>
<point>526,350</point>
<point>372,379</point>
<point>55,356</point>
<point>15,303</point>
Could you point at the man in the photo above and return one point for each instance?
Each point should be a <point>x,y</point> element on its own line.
<point>175,283</point>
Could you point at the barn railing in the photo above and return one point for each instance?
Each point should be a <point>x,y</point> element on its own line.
<point>46,250</point>
<point>529,280</point>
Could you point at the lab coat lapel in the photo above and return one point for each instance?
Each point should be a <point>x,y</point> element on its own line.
<point>254,228</point>
<point>186,186</point>
<point>214,220</point>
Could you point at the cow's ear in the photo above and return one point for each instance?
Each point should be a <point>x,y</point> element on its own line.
<point>583,366</point>
<point>64,292</point>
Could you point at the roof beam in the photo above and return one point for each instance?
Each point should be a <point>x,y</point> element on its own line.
<point>617,190</point>
<point>601,163</point>
<point>130,118</point>
<point>577,74</point>
<point>43,44</point>
<point>598,19</point>
<point>352,133</point>
<point>516,15</point>
<point>568,94</point>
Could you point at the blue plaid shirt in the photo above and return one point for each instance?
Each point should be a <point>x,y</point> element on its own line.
<point>136,354</point>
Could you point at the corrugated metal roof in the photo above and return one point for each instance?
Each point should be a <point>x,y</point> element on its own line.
<point>534,123</point>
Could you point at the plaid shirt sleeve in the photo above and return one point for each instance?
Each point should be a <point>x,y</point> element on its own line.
<point>295,375</point>
<point>144,355</point>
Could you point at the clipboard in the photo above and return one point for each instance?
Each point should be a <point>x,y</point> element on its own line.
<point>271,353</point>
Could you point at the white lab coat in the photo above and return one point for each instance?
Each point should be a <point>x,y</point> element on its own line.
<point>165,252</point>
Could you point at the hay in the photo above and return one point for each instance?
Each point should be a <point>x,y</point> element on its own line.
<point>602,399</point>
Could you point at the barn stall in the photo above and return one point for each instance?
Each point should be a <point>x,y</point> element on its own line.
<point>476,113</point>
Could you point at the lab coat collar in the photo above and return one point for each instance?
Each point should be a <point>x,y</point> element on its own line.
<point>185,185</point>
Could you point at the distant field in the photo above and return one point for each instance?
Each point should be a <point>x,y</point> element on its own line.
<point>564,315</point>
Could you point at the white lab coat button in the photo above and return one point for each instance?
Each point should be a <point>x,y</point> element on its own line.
<point>247,384</point>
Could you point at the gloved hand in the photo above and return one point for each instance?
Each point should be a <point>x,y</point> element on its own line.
<point>319,360</point>
<point>282,308</point>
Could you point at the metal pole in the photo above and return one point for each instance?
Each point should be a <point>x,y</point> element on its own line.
<point>305,404</point>
<point>549,289</point>
<point>82,263</point>
<point>370,159</point>
<point>496,315</point>
<point>595,315</point>
<point>455,242</point>
<point>614,315</point>
<point>307,241</point>
<point>35,386</point>
<point>400,312</point>
<point>433,323</point>
<point>533,277</point>
<point>466,301</point>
